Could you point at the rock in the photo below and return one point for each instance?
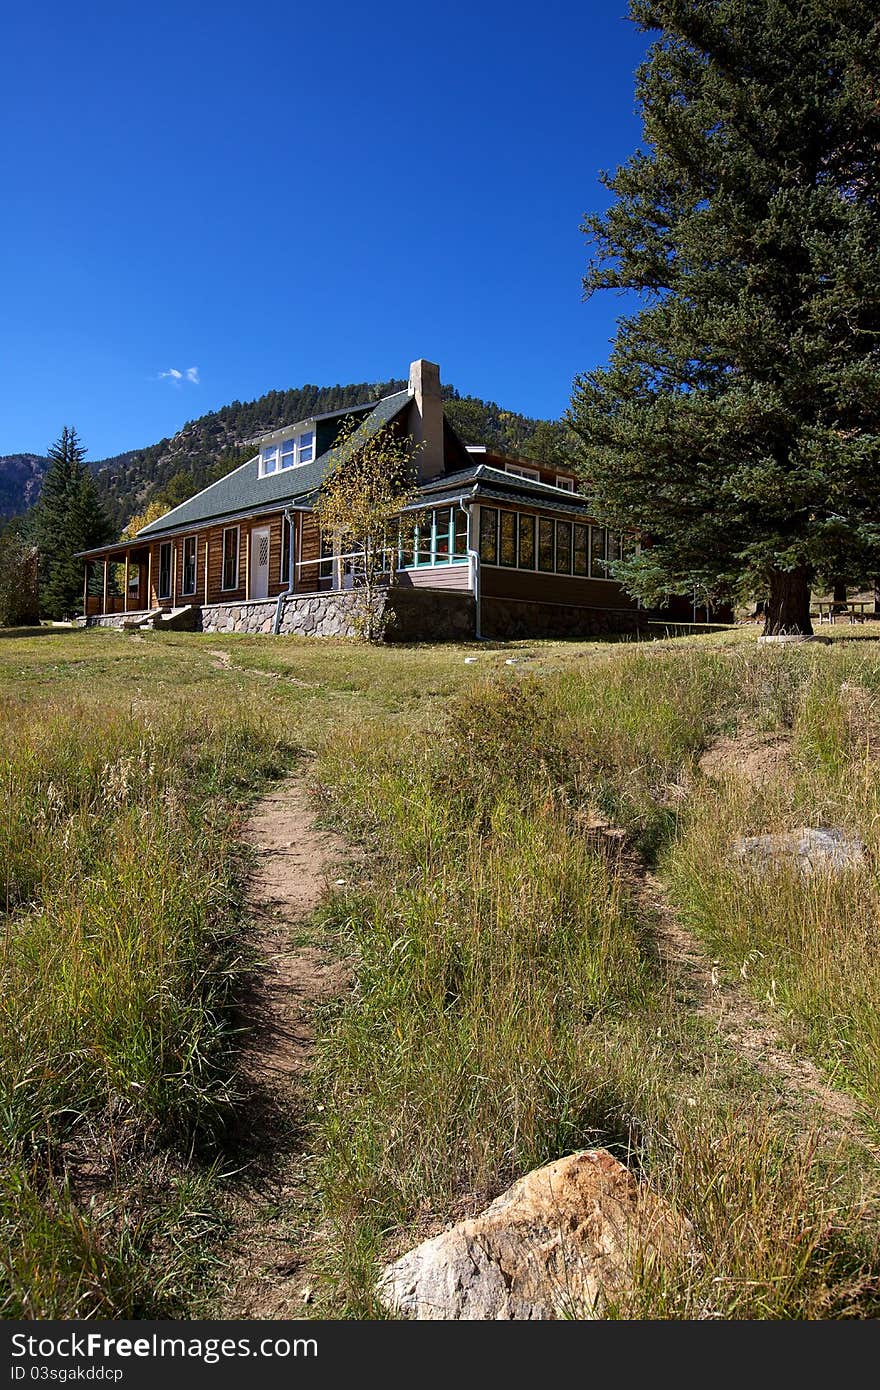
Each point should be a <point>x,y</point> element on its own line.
<point>813,849</point>
<point>555,1244</point>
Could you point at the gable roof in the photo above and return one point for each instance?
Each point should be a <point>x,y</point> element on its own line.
<point>243,490</point>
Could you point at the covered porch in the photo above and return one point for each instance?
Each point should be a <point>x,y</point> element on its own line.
<point>117,580</point>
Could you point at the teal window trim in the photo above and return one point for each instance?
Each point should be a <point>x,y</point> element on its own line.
<point>425,552</point>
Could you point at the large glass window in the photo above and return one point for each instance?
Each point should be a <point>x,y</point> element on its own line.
<point>545,544</point>
<point>507,539</point>
<point>189,565</point>
<point>442,525</point>
<point>581,550</point>
<point>306,447</point>
<point>164,589</point>
<point>460,537</point>
<point>598,536</point>
<point>563,547</point>
<point>270,459</point>
<point>613,545</point>
<point>439,538</point>
<point>526,541</point>
<point>288,453</point>
<point>230,558</point>
<point>488,535</point>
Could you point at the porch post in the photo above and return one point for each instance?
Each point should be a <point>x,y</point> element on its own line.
<point>207,548</point>
<point>85,589</point>
<point>127,567</point>
<point>149,576</point>
<point>174,574</point>
<point>106,576</point>
<point>247,564</point>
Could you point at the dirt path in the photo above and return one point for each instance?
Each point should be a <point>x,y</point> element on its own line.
<point>268,1250</point>
<point>222,661</point>
<point>739,1019</point>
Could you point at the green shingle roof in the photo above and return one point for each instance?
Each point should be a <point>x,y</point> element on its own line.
<point>243,490</point>
<point>494,483</point>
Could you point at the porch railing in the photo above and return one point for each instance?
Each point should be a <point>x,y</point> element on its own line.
<point>340,571</point>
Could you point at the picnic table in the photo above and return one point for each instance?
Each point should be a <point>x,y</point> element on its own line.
<point>853,611</point>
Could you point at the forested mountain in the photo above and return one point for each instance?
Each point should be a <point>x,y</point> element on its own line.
<point>21,477</point>
<point>210,446</point>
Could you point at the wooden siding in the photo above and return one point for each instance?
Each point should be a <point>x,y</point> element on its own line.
<point>552,588</point>
<point>212,536</point>
<point>434,577</point>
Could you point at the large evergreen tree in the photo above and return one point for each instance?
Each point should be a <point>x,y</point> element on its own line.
<point>68,517</point>
<point>738,417</point>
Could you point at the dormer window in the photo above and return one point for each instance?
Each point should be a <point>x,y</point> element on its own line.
<point>289,453</point>
<point>564,481</point>
<point>520,471</point>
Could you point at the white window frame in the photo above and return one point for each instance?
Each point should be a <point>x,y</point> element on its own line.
<point>188,593</point>
<point>278,452</point>
<point>520,470</point>
<point>566,482</point>
<point>228,588</point>
<point>299,447</point>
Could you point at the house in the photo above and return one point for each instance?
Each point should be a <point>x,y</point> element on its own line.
<point>504,546</point>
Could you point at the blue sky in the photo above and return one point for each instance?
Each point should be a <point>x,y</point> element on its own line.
<point>258,196</point>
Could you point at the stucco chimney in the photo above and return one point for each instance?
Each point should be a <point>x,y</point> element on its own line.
<point>426,416</point>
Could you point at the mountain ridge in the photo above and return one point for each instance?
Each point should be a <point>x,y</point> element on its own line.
<point>207,447</point>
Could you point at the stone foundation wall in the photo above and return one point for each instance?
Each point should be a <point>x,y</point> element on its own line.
<point>113,619</point>
<point>307,615</point>
<point>506,619</point>
<point>429,615</point>
<point>411,615</point>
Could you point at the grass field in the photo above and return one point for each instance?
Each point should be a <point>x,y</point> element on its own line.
<point>511,1004</point>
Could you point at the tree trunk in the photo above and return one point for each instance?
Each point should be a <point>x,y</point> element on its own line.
<point>838,604</point>
<point>788,607</point>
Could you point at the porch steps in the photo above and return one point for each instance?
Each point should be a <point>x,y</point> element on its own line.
<point>185,619</point>
<point>143,620</point>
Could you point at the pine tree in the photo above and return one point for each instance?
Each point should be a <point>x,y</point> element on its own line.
<point>68,517</point>
<point>737,420</point>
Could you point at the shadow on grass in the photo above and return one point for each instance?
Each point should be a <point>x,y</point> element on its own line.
<point>41,631</point>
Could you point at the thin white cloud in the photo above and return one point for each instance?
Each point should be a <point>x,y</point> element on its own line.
<point>177,378</point>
